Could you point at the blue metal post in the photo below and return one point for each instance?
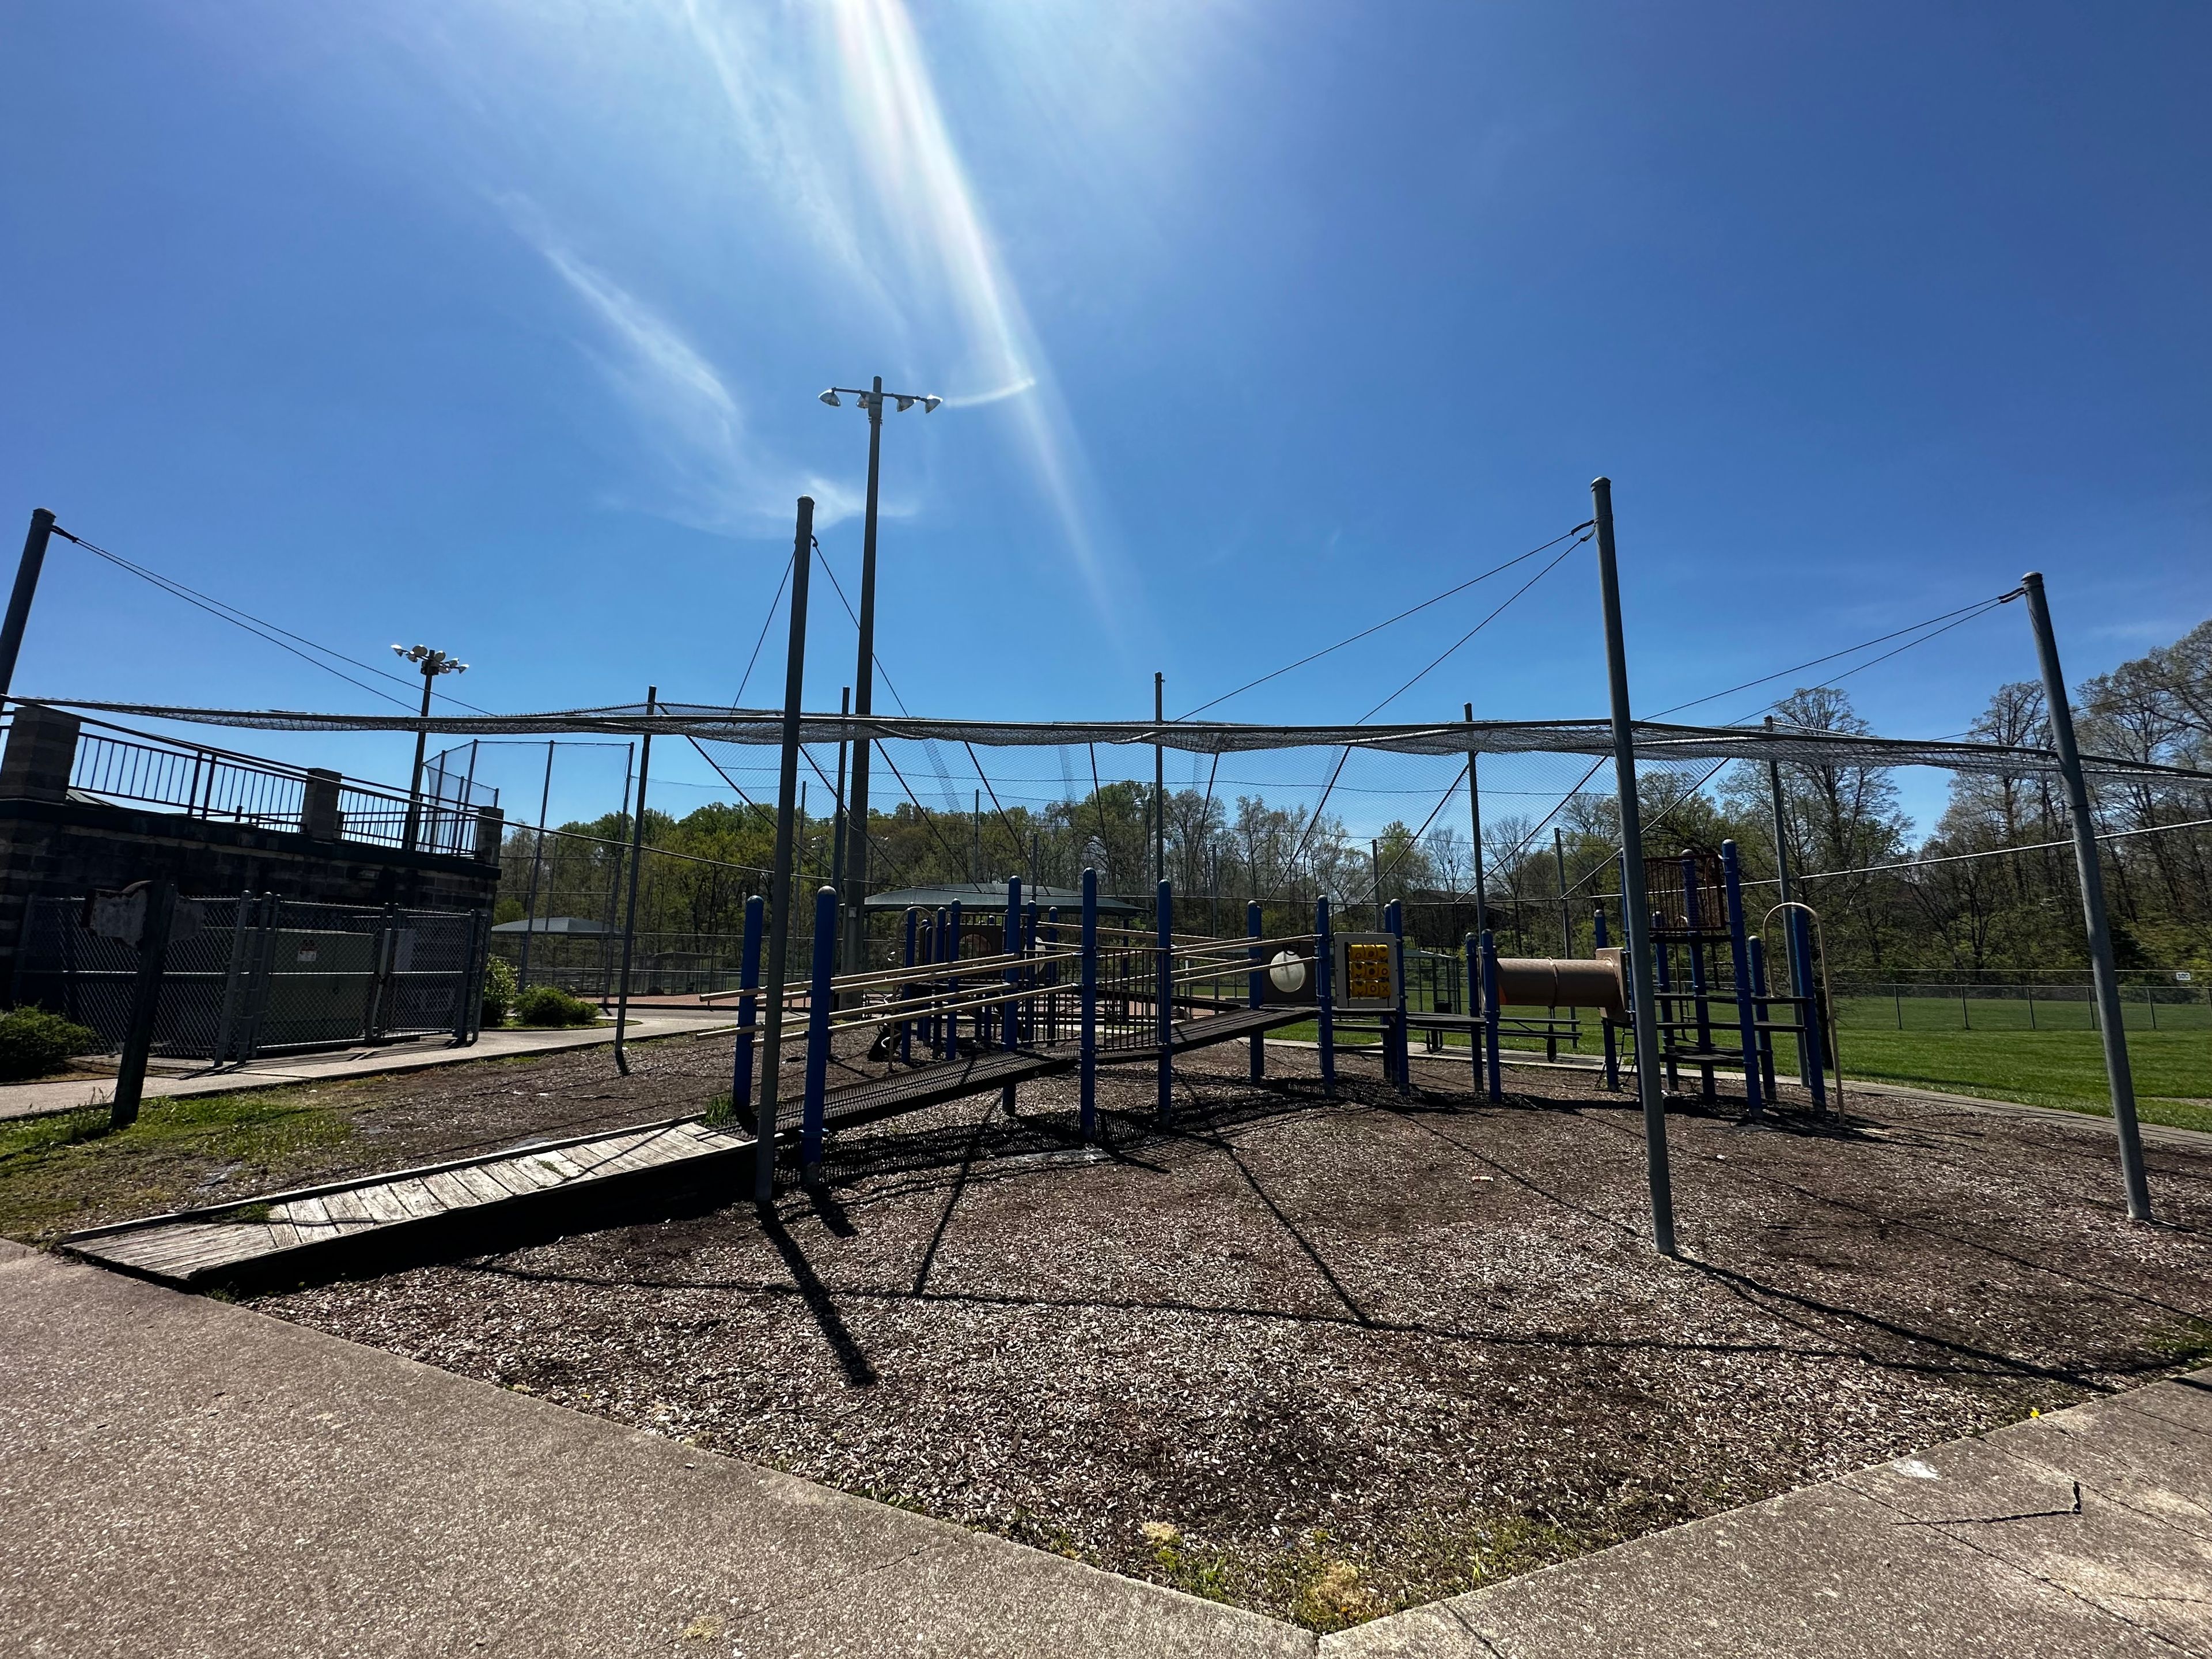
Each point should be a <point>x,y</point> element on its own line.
<point>1812,1039</point>
<point>1029,973</point>
<point>748,967</point>
<point>1087,995</point>
<point>1747,1011</point>
<point>819,993</point>
<point>939,1044</point>
<point>1801,985</point>
<point>1477,1021</point>
<point>1598,942</point>
<point>1664,1008</point>
<point>1010,1027</point>
<point>1050,935</point>
<point>1700,979</point>
<point>1325,996</point>
<point>1393,921</point>
<point>906,989</point>
<point>1256,988</point>
<point>953,983</point>
<point>1492,1064</point>
<point>1759,1005</point>
<point>1163,994</point>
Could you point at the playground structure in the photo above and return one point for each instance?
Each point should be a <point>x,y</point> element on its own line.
<point>957,1019</point>
<point>964,1013</point>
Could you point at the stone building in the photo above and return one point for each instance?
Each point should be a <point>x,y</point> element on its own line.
<point>83,808</point>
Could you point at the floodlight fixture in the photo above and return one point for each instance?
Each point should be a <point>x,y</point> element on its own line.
<point>852,932</point>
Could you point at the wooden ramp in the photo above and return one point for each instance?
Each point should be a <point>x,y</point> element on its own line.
<point>376,1222</point>
<point>315,1228</point>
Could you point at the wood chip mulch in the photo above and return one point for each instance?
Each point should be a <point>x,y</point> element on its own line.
<point>1328,1358</point>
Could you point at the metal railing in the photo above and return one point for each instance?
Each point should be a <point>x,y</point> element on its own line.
<point>213,784</point>
<point>202,783</point>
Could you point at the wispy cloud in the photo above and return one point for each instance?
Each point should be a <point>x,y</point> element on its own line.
<point>885,194</point>
<point>721,479</point>
<point>923,191</point>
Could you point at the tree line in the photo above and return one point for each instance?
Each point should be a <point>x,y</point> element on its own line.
<point>1888,906</point>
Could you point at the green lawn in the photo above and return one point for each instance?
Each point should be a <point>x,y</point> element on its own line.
<point>2038,1068</point>
<point>2173,1069</point>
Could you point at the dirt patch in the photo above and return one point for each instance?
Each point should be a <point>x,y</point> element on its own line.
<point>64,1172</point>
<point>1328,1359</point>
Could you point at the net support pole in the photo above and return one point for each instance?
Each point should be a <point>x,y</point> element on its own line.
<point>1474,827</point>
<point>786,800</point>
<point>1741,975</point>
<point>145,1004</point>
<point>819,992</point>
<point>636,869</point>
<point>19,600</point>
<point>1163,996</point>
<point>1325,996</point>
<point>748,967</point>
<point>1087,1008</point>
<point>1636,910</point>
<point>536,863</point>
<point>2120,1074</point>
<point>1255,988</point>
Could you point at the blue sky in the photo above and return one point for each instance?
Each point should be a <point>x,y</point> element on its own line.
<point>498,324</point>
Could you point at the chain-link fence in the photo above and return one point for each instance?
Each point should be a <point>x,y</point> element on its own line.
<point>1931,1005</point>
<point>253,974</point>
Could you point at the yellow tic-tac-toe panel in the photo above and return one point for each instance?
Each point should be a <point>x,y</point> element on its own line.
<point>1366,972</point>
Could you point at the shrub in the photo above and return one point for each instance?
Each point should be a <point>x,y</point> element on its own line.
<point>498,991</point>
<point>34,1043</point>
<point>548,1005</point>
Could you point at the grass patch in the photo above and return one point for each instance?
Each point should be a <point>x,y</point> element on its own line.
<point>2066,1069</point>
<point>2188,1343</point>
<point>57,1173</point>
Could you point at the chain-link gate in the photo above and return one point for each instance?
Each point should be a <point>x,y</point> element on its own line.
<point>256,973</point>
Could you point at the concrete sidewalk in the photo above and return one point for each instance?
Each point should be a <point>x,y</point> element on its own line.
<point>185,1477</point>
<point>181,1477</point>
<point>2085,1532</point>
<point>68,1094</point>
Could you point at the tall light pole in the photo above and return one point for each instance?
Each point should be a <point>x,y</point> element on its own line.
<point>433,664</point>
<point>854,897</point>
